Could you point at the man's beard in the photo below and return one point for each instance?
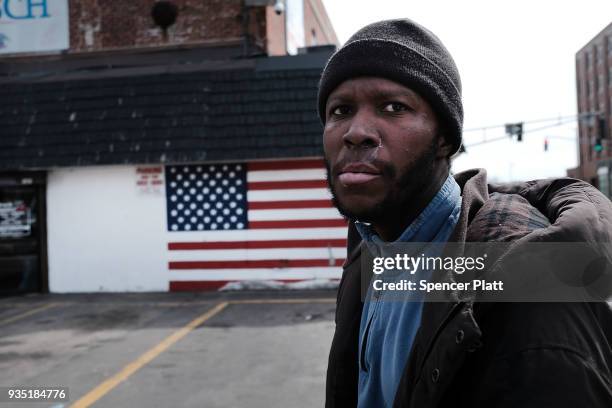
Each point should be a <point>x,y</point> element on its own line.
<point>411,181</point>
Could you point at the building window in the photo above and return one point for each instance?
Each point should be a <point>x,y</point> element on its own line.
<point>603,175</point>
<point>587,61</point>
<point>600,83</point>
<point>600,53</point>
<point>588,89</point>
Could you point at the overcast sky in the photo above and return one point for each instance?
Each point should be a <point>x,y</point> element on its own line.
<point>517,63</point>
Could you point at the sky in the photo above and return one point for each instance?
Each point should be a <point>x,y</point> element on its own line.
<point>517,64</point>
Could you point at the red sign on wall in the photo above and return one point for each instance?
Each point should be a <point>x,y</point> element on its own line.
<point>150,179</point>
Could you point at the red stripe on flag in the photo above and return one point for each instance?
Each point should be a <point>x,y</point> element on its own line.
<point>197,286</point>
<point>286,165</point>
<point>283,185</point>
<point>294,243</point>
<point>256,264</point>
<point>273,205</point>
<point>297,224</point>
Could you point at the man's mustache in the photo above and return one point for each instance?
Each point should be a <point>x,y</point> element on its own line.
<point>385,168</point>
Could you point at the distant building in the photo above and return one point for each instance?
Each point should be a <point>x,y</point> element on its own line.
<point>163,145</point>
<point>594,92</point>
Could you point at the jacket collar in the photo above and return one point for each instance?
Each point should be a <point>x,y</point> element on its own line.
<point>474,192</point>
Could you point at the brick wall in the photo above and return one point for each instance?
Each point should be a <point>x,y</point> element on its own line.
<point>318,28</point>
<point>275,32</point>
<point>113,24</point>
<point>110,25</point>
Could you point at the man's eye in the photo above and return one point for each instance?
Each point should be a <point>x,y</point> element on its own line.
<point>341,110</point>
<point>394,107</point>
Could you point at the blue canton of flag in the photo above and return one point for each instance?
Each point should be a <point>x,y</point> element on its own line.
<point>206,197</point>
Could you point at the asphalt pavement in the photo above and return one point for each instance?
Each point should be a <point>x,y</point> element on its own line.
<point>241,349</point>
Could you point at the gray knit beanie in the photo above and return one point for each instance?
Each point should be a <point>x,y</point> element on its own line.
<point>407,53</point>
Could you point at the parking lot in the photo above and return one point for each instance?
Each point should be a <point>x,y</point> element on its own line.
<point>240,349</point>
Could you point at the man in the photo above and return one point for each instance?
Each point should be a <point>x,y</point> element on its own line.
<point>390,101</point>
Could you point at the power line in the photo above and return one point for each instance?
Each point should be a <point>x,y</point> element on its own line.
<point>567,118</point>
<point>547,127</point>
<point>487,141</point>
<point>505,137</point>
<point>561,120</point>
<point>566,139</point>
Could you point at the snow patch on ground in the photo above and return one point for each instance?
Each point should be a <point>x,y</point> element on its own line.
<point>276,285</point>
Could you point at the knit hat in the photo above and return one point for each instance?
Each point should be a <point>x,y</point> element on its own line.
<point>407,53</point>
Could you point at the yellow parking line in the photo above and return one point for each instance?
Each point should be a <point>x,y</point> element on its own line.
<point>102,389</point>
<point>28,313</point>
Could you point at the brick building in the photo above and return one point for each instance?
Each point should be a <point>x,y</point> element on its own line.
<point>594,91</point>
<point>94,25</point>
<point>109,110</point>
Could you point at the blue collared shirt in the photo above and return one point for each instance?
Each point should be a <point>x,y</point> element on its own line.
<point>388,328</point>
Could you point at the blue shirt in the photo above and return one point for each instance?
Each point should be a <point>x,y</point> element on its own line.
<point>388,328</point>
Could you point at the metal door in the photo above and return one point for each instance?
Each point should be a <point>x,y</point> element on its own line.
<point>22,235</point>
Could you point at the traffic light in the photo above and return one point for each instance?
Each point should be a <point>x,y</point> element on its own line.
<point>545,144</point>
<point>598,145</point>
<point>519,132</point>
<point>515,129</point>
<point>601,133</point>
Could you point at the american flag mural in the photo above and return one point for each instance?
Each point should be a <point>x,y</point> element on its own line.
<point>251,221</point>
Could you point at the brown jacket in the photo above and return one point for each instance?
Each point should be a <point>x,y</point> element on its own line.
<point>503,354</point>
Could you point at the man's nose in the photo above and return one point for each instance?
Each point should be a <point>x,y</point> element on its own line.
<point>361,133</point>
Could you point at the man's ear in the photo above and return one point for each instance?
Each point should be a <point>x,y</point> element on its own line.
<point>445,147</point>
